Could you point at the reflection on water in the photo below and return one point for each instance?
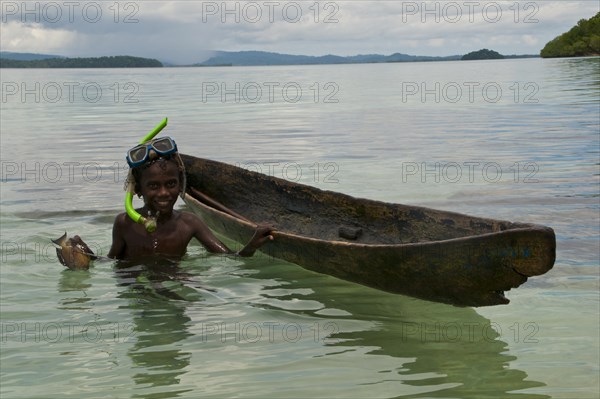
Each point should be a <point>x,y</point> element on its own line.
<point>160,325</point>
<point>577,80</point>
<point>75,281</point>
<point>157,359</point>
<point>442,351</point>
<point>456,353</point>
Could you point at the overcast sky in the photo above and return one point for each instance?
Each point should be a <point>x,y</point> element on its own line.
<point>188,31</point>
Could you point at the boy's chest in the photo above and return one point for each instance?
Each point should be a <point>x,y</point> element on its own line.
<point>166,240</point>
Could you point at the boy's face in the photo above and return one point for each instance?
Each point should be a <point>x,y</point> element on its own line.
<point>160,186</point>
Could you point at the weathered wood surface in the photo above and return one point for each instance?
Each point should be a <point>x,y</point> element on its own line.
<point>426,253</point>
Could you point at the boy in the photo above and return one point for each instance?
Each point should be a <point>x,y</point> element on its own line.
<point>159,180</point>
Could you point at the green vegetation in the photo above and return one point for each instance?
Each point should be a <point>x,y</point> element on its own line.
<point>483,54</point>
<point>582,40</point>
<point>120,61</point>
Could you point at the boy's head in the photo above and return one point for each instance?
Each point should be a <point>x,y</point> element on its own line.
<point>156,159</point>
<point>159,183</point>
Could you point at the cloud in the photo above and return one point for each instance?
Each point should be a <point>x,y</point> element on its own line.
<point>530,40</point>
<point>33,37</point>
<point>183,31</point>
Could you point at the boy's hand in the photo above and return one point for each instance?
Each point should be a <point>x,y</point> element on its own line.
<point>262,235</point>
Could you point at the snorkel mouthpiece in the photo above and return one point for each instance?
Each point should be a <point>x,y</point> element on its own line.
<point>149,222</point>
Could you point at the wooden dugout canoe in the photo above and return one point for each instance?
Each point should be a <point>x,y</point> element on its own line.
<point>426,253</point>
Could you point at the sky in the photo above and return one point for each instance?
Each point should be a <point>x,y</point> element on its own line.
<point>184,32</point>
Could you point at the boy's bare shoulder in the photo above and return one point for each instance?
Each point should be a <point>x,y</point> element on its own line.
<point>121,219</point>
<point>189,217</point>
<point>192,221</point>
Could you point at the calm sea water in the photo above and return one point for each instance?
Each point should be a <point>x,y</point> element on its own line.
<point>510,139</point>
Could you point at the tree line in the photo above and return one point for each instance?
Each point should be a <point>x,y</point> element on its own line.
<point>120,61</point>
<point>581,40</point>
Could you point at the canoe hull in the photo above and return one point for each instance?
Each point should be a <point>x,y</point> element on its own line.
<point>469,270</point>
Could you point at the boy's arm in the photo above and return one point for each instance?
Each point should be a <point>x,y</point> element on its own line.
<point>262,235</point>
<point>213,244</point>
<point>117,249</point>
<point>206,237</point>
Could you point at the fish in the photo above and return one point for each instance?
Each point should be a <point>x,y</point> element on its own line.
<point>73,252</point>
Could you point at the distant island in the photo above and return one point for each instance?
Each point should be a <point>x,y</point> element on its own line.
<point>120,61</point>
<point>223,58</point>
<point>259,58</point>
<point>263,58</point>
<point>582,40</point>
<point>483,54</point>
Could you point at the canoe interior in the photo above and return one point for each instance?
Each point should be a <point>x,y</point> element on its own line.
<point>326,215</point>
<point>426,253</point>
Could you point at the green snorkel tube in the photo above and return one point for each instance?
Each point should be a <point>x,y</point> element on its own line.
<point>149,222</point>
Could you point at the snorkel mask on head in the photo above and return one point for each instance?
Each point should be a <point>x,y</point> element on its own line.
<point>156,148</point>
<point>138,156</point>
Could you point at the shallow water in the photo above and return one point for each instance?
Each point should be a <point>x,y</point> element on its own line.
<point>510,139</point>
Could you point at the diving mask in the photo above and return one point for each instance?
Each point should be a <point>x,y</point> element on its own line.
<point>141,153</point>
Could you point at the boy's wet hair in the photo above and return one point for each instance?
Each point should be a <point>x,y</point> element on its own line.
<point>162,163</point>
